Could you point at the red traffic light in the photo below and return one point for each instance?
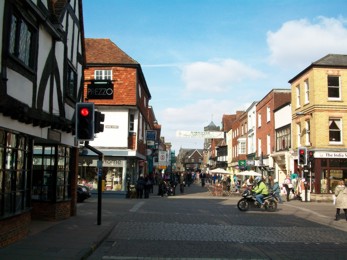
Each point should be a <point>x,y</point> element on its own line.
<point>301,151</point>
<point>84,111</point>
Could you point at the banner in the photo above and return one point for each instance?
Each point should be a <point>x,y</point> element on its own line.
<point>162,158</point>
<point>206,134</point>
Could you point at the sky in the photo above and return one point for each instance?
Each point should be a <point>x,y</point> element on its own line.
<point>203,59</point>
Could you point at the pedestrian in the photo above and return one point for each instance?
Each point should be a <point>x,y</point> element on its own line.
<point>341,199</point>
<point>182,180</point>
<point>147,187</point>
<point>288,186</point>
<point>140,185</point>
<point>228,180</point>
<point>276,189</point>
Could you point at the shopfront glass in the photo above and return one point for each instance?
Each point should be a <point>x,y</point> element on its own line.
<point>15,174</point>
<point>51,173</point>
<point>333,170</point>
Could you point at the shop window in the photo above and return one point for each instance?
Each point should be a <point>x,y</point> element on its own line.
<point>51,173</point>
<point>14,174</point>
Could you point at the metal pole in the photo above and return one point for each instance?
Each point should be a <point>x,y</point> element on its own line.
<point>99,165</point>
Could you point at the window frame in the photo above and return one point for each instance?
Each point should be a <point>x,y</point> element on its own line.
<point>331,131</point>
<point>15,173</point>
<point>47,168</point>
<point>104,74</point>
<point>307,91</point>
<point>334,87</point>
<point>15,38</point>
<point>298,102</point>
<point>308,132</point>
<point>71,86</point>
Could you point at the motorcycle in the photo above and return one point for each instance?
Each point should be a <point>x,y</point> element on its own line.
<point>248,200</point>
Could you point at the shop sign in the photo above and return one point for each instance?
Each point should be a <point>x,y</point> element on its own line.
<point>100,90</point>
<point>109,163</point>
<point>242,163</point>
<point>250,162</point>
<point>339,155</point>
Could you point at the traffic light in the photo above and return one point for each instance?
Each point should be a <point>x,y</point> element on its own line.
<point>85,121</point>
<point>98,119</point>
<point>302,155</point>
<point>310,156</point>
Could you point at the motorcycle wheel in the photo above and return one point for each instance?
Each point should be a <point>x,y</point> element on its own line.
<point>271,206</point>
<point>243,205</point>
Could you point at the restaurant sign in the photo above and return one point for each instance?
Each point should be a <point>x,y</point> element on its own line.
<point>100,90</point>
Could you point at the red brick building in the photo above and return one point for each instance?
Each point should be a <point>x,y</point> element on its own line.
<point>265,132</point>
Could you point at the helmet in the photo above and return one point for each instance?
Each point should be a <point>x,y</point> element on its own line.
<point>257,179</point>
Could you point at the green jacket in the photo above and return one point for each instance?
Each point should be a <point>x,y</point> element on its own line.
<point>261,188</point>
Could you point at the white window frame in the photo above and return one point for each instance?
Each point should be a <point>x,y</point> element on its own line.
<point>338,87</point>
<point>308,134</point>
<point>259,147</point>
<point>307,91</point>
<point>268,114</point>
<point>298,131</point>
<point>339,125</point>
<point>298,104</point>
<point>268,144</point>
<point>103,74</point>
<point>259,120</point>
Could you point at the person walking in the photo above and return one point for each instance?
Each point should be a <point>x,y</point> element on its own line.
<point>277,191</point>
<point>341,199</point>
<point>288,186</point>
<point>140,185</point>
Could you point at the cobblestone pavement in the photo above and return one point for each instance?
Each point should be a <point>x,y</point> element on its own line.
<point>194,226</point>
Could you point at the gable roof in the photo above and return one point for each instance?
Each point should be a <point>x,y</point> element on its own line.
<point>104,51</point>
<point>330,60</point>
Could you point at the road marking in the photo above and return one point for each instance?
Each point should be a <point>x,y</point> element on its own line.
<point>137,206</point>
<point>308,210</point>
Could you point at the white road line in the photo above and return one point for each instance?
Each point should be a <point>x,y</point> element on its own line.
<point>137,206</point>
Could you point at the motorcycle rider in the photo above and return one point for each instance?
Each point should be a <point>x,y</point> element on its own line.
<point>261,190</point>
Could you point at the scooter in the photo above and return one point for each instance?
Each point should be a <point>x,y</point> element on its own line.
<point>248,200</point>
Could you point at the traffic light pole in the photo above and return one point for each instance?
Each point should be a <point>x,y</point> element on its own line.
<point>99,166</point>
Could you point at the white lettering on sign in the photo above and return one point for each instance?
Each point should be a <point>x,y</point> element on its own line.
<point>100,92</point>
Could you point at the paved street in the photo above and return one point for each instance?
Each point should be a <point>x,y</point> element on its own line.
<point>199,226</point>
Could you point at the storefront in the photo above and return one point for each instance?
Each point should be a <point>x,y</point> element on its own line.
<point>327,169</point>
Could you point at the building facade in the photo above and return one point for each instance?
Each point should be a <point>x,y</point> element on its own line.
<point>42,57</point>
<point>319,120</point>
<point>265,135</point>
<point>116,84</point>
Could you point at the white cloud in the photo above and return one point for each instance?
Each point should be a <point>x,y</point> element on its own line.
<point>216,76</point>
<point>298,43</point>
<point>193,116</point>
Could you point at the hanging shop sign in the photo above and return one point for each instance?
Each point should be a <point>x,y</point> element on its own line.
<point>100,90</point>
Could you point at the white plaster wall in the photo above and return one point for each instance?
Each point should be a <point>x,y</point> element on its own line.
<point>283,116</point>
<point>116,130</point>
<point>20,87</point>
